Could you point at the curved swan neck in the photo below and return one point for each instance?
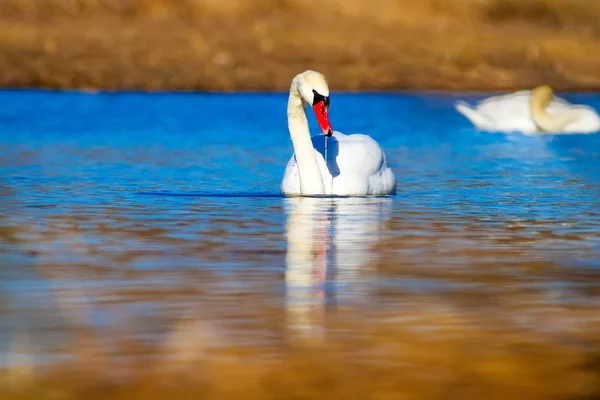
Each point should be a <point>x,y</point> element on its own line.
<point>541,97</point>
<point>311,180</point>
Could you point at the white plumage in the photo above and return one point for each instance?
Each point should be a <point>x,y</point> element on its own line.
<point>355,165</point>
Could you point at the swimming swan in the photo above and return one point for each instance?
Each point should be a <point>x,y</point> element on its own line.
<point>536,111</point>
<point>355,165</point>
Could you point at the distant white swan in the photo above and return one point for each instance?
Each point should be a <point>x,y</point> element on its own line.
<point>536,111</point>
<point>355,164</point>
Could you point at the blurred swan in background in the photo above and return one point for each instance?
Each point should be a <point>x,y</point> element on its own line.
<point>329,256</point>
<point>536,111</point>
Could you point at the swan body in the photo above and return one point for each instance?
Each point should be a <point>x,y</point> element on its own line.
<point>355,165</point>
<point>536,111</point>
<point>331,163</point>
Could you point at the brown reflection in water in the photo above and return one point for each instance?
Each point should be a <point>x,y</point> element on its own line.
<point>447,310</point>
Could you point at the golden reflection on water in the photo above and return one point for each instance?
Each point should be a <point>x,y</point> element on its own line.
<point>345,300</point>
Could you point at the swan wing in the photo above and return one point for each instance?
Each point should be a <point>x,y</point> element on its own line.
<point>586,120</point>
<point>516,105</point>
<point>357,165</point>
<point>509,112</point>
<point>473,115</point>
<point>290,185</point>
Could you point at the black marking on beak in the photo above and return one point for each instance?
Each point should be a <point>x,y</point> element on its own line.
<point>318,97</point>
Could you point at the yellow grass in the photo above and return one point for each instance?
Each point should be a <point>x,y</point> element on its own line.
<point>260,45</point>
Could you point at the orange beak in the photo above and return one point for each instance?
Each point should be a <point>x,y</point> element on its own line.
<point>320,110</point>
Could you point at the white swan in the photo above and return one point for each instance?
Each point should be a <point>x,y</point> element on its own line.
<point>355,166</point>
<point>536,111</point>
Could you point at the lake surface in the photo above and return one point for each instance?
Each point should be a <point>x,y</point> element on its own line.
<point>129,213</point>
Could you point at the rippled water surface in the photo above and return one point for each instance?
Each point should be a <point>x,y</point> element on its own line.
<point>134,214</point>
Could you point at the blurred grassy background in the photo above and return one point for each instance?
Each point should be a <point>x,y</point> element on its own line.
<point>260,45</point>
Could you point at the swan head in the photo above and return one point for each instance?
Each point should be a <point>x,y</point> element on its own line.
<point>314,90</point>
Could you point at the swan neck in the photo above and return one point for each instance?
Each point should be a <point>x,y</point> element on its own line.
<point>311,180</point>
<point>545,121</point>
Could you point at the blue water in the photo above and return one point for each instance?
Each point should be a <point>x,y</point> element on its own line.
<point>163,203</point>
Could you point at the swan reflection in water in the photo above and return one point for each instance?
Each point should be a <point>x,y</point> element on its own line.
<point>329,252</point>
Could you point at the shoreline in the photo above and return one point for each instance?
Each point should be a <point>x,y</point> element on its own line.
<point>441,92</point>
